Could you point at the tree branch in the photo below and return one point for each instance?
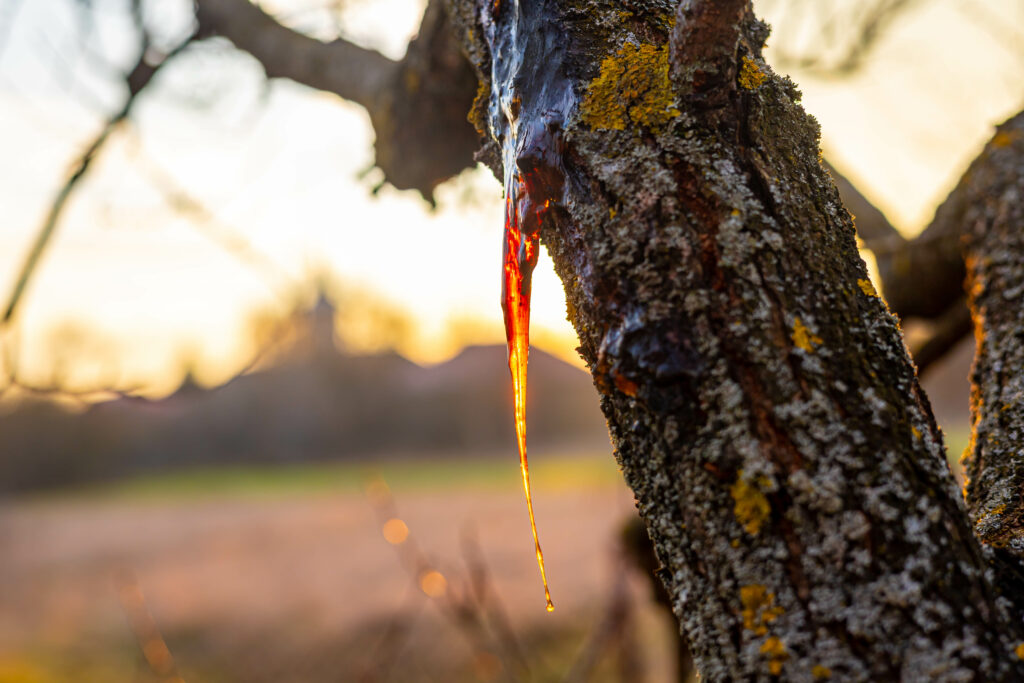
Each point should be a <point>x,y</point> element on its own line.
<point>920,277</point>
<point>418,106</point>
<point>341,67</point>
<point>993,192</point>
<point>873,228</point>
<point>871,25</point>
<point>950,328</point>
<point>49,225</point>
<point>924,276</point>
<point>704,43</point>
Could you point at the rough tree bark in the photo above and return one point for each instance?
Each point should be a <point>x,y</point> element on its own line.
<point>761,401</point>
<point>993,218</point>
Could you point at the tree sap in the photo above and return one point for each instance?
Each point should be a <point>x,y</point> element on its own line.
<point>526,119</point>
<point>519,256</point>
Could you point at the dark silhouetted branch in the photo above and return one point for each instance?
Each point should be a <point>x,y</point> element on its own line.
<point>873,228</point>
<point>855,27</point>
<point>638,548</point>
<point>921,277</point>
<point>15,385</point>
<point>341,67</point>
<point>952,326</point>
<point>56,208</point>
<point>417,106</point>
<point>925,276</point>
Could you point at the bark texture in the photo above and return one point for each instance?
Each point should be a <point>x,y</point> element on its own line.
<point>760,398</point>
<point>994,225</point>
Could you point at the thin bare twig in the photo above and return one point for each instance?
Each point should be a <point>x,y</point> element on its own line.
<point>472,609</point>
<point>610,629</point>
<point>206,224</point>
<point>137,79</point>
<point>56,208</point>
<point>863,30</point>
<point>396,635</point>
<point>490,603</point>
<point>83,396</point>
<point>955,324</point>
<point>154,648</point>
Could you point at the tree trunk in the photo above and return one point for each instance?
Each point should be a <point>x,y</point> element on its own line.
<point>758,393</point>
<point>994,228</point>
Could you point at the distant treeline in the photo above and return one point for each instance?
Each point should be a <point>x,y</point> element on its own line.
<point>322,407</point>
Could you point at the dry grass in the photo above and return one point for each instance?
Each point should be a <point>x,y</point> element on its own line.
<point>302,586</point>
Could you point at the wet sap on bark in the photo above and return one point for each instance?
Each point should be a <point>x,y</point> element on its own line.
<point>527,111</point>
<point>519,256</point>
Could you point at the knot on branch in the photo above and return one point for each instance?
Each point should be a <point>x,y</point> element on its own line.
<point>705,43</point>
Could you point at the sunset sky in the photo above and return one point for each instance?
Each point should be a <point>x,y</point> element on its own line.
<point>279,171</point>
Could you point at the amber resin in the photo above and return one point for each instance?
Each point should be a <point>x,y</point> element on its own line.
<point>519,258</point>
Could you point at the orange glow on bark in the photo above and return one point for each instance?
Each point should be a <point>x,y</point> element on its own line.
<point>520,256</point>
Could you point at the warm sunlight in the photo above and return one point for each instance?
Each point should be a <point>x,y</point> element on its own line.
<point>272,339</point>
<point>158,286</point>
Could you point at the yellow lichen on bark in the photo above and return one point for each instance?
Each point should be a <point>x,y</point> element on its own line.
<point>1004,139</point>
<point>751,506</point>
<point>968,451</point>
<point>990,515</point>
<point>751,77</point>
<point>632,87</point>
<point>821,673</point>
<point>803,337</point>
<point>1019,651</point>
<point>867,288</point>
<point>478,112</point>
<point>775,649</point>
<point>758,608</point>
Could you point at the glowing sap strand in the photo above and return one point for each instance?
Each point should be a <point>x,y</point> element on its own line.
<point>519,255</point>
<point>530,101</point>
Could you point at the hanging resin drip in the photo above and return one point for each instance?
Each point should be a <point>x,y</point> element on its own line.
<point>519,258</point>
<point>530,102</point>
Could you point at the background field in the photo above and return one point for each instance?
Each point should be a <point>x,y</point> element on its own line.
<point>282,574</point>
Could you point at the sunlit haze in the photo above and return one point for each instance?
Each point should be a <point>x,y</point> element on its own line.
<point>148,284</point>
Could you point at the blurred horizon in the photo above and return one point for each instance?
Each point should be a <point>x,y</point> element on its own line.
<point>305,401</point>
